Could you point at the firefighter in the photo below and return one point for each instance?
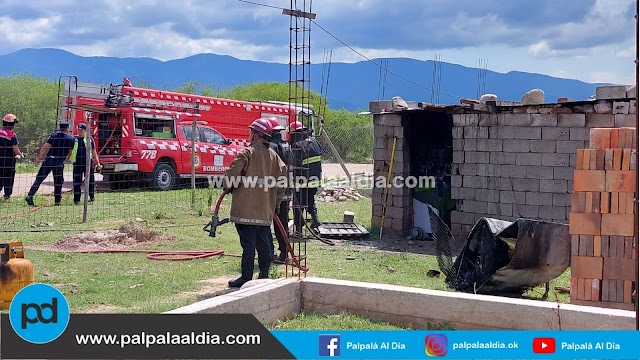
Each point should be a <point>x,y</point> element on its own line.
<point>80,164</point>
<point>9,152</point>
<point>283,150</point>
<point>307,174</point>
<point>253,207</point>
<point>53,154</point>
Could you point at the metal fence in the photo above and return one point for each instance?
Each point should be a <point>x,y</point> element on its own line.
<point>120,198</point>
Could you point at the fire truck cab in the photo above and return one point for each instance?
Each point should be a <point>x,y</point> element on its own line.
<point>147,135</point>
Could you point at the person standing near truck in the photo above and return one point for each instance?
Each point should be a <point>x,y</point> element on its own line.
<point>282,148</point>
<point>80,164</point>
<point>253,205</point>
<point>53,154</point>
<point>9,152</point>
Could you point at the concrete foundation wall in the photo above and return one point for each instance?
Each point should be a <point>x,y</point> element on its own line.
<point>417,308</point>
<point>269,301</point>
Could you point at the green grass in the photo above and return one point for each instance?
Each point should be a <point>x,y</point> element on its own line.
<point>342,321</point>
<point>26,167</point>
<point>125,283</point>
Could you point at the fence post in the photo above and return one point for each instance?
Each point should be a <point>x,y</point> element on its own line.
<point>87,170</point>
<point>193,163</point>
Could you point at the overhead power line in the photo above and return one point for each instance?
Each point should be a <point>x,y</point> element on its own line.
<point>359,53</point>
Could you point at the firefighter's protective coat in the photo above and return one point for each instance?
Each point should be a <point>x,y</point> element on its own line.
<point>252,205</point>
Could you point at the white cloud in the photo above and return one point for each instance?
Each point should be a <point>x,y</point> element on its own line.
<point>628,52</point>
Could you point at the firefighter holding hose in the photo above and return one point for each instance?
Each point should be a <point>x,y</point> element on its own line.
<point>254,200</point>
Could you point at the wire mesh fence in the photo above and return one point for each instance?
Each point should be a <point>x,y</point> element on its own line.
<point>154,163</point>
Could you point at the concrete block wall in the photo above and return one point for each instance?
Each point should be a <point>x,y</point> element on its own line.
<point>519,162</point>
<point>387,127</point>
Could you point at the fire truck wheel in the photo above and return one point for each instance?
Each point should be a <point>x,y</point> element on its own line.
<point>164,177</point>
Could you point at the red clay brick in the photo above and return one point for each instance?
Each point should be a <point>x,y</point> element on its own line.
<point>605,246</point>
<point>588,205</point>
<point>597,246</point>
<point>613,208</point>
<point>622,203</point>
<point>587,289</point>
<point>589,180</point>
<point>614,143</point>
<point>605,198</point>
<point>573,292</point>
<point>617,159</point>
<point>593,159</point>
<point>587,267</point>
<point>620,247</point>
<point>619,181</point>
<point>617,224</point>
<point>595,289</point>
<point>617,269</point>
<point>574,201</point>
<point>631,205</point>
<point>596,202</point>
<point>605,290</point>
<point>579,159</point>
<point>628,291</point>
<point>580,289</point>
<point>582,201</point>
<point>613,296</point>
<point>613,246</point>
<point>589,244</point>
<point>585,224</point>
<point>575,245</point>
<point>628,247</point>
<point>608,159</point>
<point>626,159</point>
<point>582,250</point>
<point>600,159</point>
<point>600,138</point>
<point>620,290</point>
<point>586,159</point>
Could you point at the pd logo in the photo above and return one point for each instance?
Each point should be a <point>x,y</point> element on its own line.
<point>329,345</point>
<point>436,345</point>
<point>39,313</point>
<point>544,345</point>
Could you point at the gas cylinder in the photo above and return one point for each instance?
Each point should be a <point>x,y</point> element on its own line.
<point>16,272</point>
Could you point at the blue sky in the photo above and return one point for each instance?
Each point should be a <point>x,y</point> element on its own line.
<point>589,40</point>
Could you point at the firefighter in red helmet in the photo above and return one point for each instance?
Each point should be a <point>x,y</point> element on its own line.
<point>253,207</point>
<point>307,165</point>
<point>9,152</point>
<point>282,207</point>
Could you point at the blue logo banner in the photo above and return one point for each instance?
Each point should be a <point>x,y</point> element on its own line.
<point>487,344</point>
<point>39,313</point>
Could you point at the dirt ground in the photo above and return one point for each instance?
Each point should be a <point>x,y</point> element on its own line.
<point>128,235</point>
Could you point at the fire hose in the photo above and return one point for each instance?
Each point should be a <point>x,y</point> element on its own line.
<point>212,226</point>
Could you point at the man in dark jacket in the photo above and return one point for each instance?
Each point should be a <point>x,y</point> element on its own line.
<point>307,165</point>
<point>282,148</point>
<point>253,207</point>
<point>9,152</point>
<point>53,155</point>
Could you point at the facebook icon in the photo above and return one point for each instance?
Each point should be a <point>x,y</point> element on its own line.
<point>329,345</point>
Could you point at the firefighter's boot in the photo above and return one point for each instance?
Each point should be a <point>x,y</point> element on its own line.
<point>315,221</point>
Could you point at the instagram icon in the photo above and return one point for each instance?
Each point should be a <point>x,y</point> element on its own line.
<point>436,345</point>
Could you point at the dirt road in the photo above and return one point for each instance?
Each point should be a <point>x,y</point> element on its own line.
<point>24,181</point>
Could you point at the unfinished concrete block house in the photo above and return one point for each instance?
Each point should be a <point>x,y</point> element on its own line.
<point>500,160</point>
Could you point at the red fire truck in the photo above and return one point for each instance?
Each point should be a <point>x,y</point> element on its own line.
<point>146,134</point>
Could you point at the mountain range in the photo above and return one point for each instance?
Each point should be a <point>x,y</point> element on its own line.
<point>347,85</point>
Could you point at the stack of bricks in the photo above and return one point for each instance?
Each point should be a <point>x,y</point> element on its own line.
<point>601,223</point>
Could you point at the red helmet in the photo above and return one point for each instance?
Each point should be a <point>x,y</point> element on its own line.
<point>10,118</point>
<point>275,124</point>
<point>297,126</point>
<point>262,126</point>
